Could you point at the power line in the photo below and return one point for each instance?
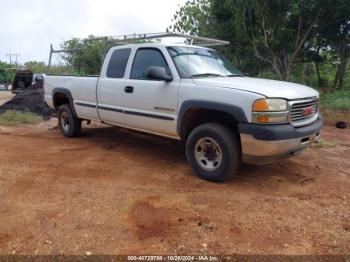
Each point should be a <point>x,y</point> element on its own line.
<point>13,55</point>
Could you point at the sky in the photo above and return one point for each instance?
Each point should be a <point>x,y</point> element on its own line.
<point>28,27</point>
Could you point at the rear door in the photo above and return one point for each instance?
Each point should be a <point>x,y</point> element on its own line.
<point>111,87</point>
<point>151,105</point>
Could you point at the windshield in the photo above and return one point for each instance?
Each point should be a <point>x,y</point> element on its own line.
<point>194,62</point>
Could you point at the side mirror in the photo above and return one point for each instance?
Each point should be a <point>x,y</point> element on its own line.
<point>158,73</point>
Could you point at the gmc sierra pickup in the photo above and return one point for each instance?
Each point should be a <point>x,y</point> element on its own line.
<point>193,94</point>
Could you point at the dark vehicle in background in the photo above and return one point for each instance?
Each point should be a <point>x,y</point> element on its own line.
<point>25,79</point>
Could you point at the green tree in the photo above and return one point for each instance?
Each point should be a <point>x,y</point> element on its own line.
<point>335,30</point>
<point>87,54</point>
<point>228,28</point>
<point>331,44</point>
<point>278,33</point>
<point>277,30</point>
<point>36,67</point>
<point>273,31</point>
<point>6,76</point>
<point>213,19</point>
<point>193,18</point>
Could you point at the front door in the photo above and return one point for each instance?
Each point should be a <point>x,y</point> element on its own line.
<point>150,105</point>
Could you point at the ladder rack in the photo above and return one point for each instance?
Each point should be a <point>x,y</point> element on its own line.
<point>189,39</point>
<point>144,38</point>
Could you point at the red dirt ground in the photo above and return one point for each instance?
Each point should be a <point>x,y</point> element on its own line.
<point>112,191</point>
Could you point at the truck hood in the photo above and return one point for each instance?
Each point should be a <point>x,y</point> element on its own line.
<point>265,87</point>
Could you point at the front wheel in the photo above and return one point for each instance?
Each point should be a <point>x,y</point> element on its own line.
<point>214,152</point>
<point>69,125</point>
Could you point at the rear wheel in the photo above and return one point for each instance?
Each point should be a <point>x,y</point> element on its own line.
<point>70,125</point>
<point>214,152</point>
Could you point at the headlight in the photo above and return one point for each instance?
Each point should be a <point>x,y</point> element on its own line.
<point>270,104</point>
<point>270,110</point>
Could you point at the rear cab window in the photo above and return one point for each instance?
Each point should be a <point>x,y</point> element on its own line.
<point>118,62</point>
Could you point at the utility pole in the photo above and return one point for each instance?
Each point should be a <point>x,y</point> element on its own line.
<point>13,55</point>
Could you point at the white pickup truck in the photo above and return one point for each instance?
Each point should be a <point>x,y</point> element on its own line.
<point>193,94</point>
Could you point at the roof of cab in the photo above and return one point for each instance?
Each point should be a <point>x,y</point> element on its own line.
<point>158,44</point>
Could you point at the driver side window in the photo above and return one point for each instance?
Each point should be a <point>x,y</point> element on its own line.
<point>144,58</point>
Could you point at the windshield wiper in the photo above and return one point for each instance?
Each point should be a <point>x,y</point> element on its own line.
<point>234,75</point>
<point>205,75</point>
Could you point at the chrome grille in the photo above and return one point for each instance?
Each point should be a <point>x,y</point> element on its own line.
<point>303,112</point>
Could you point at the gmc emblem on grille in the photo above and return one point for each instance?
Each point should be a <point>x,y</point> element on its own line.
<point>307,111</point>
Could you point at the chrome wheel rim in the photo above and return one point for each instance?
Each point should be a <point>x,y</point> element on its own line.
<point>65,121</point>
<point>208,154</point>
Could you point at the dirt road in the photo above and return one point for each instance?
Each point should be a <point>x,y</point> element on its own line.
<point>116,192</point>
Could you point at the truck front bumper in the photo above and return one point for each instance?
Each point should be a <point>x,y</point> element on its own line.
<point>263,144</point>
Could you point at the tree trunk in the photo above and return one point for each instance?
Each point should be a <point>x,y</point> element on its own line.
<point>317,64</point>
<point>282,66</point>
<point>344,59</point>
<point>335,82</point>
<point>342,70</point>
<point>318,73</point>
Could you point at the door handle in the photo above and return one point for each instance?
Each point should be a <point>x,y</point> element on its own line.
<point>129,89</point>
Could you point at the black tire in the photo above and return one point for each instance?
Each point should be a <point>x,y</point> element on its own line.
<point>69,125</point>
<point>214,135</point>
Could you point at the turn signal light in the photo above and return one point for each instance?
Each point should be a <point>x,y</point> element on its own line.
<point>260,105</point>
<point>263,119</point>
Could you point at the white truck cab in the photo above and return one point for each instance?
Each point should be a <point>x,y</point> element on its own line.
<point>194,94</point>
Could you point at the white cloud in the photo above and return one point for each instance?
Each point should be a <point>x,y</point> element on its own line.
<point>29,27</point>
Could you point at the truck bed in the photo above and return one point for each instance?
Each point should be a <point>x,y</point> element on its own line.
<point>82,88</point>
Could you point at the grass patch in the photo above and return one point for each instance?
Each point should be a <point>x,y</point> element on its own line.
<point>325,144</point>
<point>333,115</point>
<point>339,100</point>
<point>17,117</point>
